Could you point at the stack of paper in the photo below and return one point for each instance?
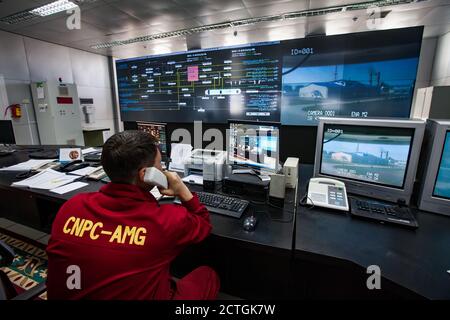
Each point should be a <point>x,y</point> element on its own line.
<point>84,171</point>
<point>89,150</point>
<point>193,179</point>
<point>32,164</point>
<point>46,180</point>
<point>155,192</point>
<point>158,196</point>
<point>69,187</point>
<point>179,154</point>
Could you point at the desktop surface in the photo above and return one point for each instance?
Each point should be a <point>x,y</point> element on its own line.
<point>415,259</point>
<point>274,230</point>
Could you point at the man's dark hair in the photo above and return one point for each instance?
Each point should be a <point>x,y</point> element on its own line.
<point>126,152</point>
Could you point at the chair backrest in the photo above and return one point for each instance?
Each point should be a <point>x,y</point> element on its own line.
<point>6,254</point>
<point>7,290</point>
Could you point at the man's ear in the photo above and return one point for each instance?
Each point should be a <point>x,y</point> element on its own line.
<point>141,174</point>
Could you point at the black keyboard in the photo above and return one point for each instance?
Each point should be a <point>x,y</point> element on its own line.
<point>222,204</point>
<point>383,212</point>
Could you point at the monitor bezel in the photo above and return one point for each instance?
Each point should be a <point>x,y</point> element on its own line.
<point>162,124</point>
<point>253,122</point>
<point>368,189</point>
<point>427,201</point>
<point>373,182</point>
<point>152,123</point>
<point>9,126</point>
<point>446,133</point>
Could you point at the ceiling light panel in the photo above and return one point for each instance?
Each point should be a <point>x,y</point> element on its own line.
<point>42,11</point>
<point>250,21</point>
<point>53,7</point>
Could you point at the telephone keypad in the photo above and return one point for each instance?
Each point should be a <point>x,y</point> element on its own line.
<point>336,196</point>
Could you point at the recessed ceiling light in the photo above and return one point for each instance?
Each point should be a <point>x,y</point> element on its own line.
<point>42,11</point>
<point>244,22</point>
<point>54,7</point>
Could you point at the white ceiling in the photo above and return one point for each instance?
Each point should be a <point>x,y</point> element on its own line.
<point>112,20</point>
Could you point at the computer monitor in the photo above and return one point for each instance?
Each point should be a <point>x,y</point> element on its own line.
<point>6,132</point>
<point>158,130</point>
<point>376,158</point>
<point>254,144</point>
<point>435,179</point>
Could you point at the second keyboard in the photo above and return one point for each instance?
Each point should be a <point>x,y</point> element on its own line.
<point>221,204</point>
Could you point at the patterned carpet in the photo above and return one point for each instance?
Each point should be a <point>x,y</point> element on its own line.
<point>29,266</point>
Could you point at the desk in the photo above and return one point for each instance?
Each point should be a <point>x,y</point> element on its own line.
<point>313,254</point>
<point>235,253</point>
<point>416,260</point>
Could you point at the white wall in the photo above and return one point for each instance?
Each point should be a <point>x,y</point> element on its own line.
<point>24,60</point>
<point>441,68</point>
<point>425,68</point>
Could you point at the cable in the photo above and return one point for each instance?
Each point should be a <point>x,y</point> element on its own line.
<point>304,203</point>
<point>266,213</point>
<point>260,203</point>
<point>335,137</point>
<point>282,208</point>
<point>256,202</point>
<point>297,66</point>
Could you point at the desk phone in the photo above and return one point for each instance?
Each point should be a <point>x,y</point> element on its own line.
<point>328,193</point>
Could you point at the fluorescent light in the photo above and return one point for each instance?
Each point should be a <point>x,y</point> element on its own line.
<point>250,21</point>
<point>18,17</point>
<point>42,11</point>
<point>54,7</point>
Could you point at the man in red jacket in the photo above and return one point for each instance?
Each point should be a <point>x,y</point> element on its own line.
<point>118,243</point>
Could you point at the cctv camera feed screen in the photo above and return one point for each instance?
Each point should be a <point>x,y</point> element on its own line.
<point>442,187</point>
<point>158,131</point>
<point>360,75</point>
<point>376,155</point>
<point>253,145</point>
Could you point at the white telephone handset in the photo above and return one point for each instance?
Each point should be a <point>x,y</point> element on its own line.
<point>328,193</point>
<point>155,177</point>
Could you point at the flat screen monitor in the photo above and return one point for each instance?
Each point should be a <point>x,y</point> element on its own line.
<point>359,75</point>
<point>158,130</point>
<point>254,144</point>
<point>435,178</point>
<point>442,185</point>
<point>6,132</point>
<point>376,158</point>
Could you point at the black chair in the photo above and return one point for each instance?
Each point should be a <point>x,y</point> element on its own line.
<point>7,290</point>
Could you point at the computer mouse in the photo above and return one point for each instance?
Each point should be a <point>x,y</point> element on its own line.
<point>250,223</point>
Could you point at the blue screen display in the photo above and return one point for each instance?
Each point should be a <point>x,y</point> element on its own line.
<point>370,154</point>
<point>361,90</point>
<point>296,81</point>
<point>442,187</point>
<point>253,145</point>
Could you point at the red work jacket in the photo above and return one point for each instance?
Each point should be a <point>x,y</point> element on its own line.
<point>118,244</point>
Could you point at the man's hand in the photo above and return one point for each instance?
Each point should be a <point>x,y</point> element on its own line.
<point>177,188</point>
